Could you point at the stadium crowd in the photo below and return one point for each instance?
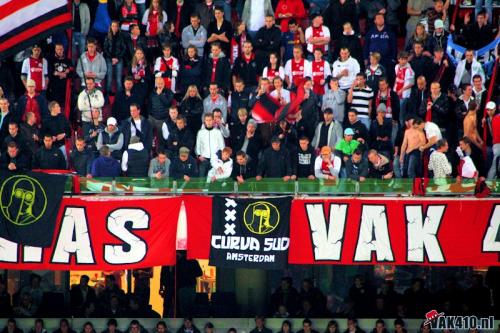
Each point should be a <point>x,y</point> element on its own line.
<point>185,89</point>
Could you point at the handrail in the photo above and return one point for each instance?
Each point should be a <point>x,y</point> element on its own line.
<point>488,98</point>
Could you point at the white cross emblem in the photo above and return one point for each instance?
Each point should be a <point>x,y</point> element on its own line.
<point>230,203</point>
<point>230,215</point>
<point>229,229</point>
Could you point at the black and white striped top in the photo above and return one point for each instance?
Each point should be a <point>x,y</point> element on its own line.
<point>361,98</point>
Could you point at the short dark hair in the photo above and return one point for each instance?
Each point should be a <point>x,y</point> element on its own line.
<point>472,106</point>
<point>134,322</point>
<point>307,321</point>
<point>466,140</point>
<point>358,152</point>
<point>353,110</point>
<point>241,153</point>
<point>399,321</point>
<point>303,137</point>
<point>219,8</point>
<point>380,321</point>
<point>12,144</point>
<point>161,323</point>
<point>362,74</point>
<point>477,76</point>
<point>129,78</point>
<point>441,143</point>
<point>135,105</point>
<point>91,40</point>
<point>292,21</point>
<point>112,322</point>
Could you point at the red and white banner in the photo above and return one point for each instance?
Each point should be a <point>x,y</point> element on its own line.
<point>97,233</point>
<point>453,232</point>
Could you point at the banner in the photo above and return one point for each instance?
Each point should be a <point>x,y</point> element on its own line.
<point>452,232</point>
<point>29,204</point>
<point>485,55</point>
<point>99,233</point>
<point>24,22</point>
<point>250,233</point>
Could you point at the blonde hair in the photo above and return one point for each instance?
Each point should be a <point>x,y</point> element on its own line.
<point>134,58</point>
<point>188,89</point>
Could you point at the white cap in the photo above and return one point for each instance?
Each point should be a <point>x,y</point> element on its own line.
<point>491,105</point>
<point>438,24</point>
<point>111,121</point>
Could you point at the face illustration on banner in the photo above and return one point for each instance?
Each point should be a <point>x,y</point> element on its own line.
<point>22,200</point>
<point>261,217</point>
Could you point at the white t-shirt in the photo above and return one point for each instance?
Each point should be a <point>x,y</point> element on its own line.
<point>257,15</point>
<point>432,130</point>
<point>309,32</point>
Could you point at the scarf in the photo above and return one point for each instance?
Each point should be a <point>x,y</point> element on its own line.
<point>388,102</point>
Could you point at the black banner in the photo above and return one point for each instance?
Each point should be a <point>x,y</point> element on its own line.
<point>250,233</point>
<point>29,203</point>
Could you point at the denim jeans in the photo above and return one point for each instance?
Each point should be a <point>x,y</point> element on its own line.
<point>488,4</point>
<point>118,69</point>
<point>78,47</point>
<point>493,169</point>
<point>365,121</point>
<point>204,167</point>
<point>412,164</point>
<point>403,103</point>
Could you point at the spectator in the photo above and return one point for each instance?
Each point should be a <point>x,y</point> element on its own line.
<point>13,159</point>
<point>320,72</point>
<point>294,36</point>
<point>374,72</point>
<point>11,327</point>
<point>405,79</point>
<point>115,49</point>
<point>437,108</point>
<point>328,132</point>
<point>479,93</point>
<point>432,134</point>
<point>350,40</point>
<point>217,69</point>
<point>36,68</point>
<point>15,136</point>
<point>437,12</point>
<point>467,149</point>
<point>112,324</point>
<point>220,124</point>
<point>6,116</point>
<point>208,142</point>
<point>297,68</point>
<point>420,62</point>
<point>273,68</point>
<point>352,326</point>
<point>194,35</point>
<point>192,108</point>
<point>492,125</point>
<point>205,11</point>
<point>419,35</point>
<point>64,327</point>
<point>183,167</point>
<point>220,30</point>
<point>81,27</point>
<point>418,96</point>
<point>138,126</point>
<point>260,325</point>
<point>135,159</point>
<point>381,132</point>
<point>105,165</point>
<point>32,102</point>
<point>304,160</point>
<point>357,167</point>
<point>307,327</point>
<point>60,71</point>
<point>246,67</point>
<point>91,64</point>
<point>360,97</point>
<point>31,133</point>
<point>281,94</point>
<point>222,165</point>
<point>411,156</point>
<point>243,169</point>
<point>334,98</point>
<point>188,326</point>
<point>317,35</point>
<point>91,130</point>
<point>167,67</point>
<point>346,146</point>
<point>439,39</point>
<point>467,69</point>
<point>254,15</point>
<point>124,98</point>
<point>81,294</point>
<point>154,20</point>
<point>159,167</point>
<point>81,158</point>
<point>345,69</point>
<point>190,70</point>
<point>417,298</point>
<point>275,162</point>
<point>381,39</point>
<point>338,13</point>
<point>470,126</point>
<point>128,15</point>
<point>438,162</point>
<point>180,136</point>
<point>359,129</point>
<point>239,99</point>
<point>380,166</point>
<point>90,98</point>
<point>215,101</point>
<point>135,40</point>
<point>26,307</point>
<point>287,10</point>
<point>160,100</point>
<point>57,126</point>
<point>268,37</point>
<point>380,326</point>
<point>480,33</point>
<point>327,165</point>
<point>48,156</point>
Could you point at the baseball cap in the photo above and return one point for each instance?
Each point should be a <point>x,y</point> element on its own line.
<point>438,24</point>
<point>275,139</point>
<point>491,105</point>
<point>30,83</point>
<point>328,110</point>
<point>348,131</point>
<point>326,150</point>
<point>111,121</point>
<point>381,108</point>
<point>184,150</point>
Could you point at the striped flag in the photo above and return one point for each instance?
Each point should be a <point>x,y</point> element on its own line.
<point>24,22</point>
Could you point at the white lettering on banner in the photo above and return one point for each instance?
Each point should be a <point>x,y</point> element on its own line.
<point>73,238</point>
<point>327,241</point>
<point>32,254</point>
<point>490,242</point>
<point>235,243</point>
<point>8,251</point>
<point>250,257</point>
<point>373,235</point>
<point>134,248</point>
<point>422,232</point>
<point>276,244</point>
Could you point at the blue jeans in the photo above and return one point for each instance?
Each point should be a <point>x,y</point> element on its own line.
<point>78,45</point>
<point>403,103</point>
<point>412,164</point>
<point>488,4</point>
<point>118,69</point>
<point>365,121</point>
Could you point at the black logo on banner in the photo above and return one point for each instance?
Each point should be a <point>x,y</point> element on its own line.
<point>250,233</point>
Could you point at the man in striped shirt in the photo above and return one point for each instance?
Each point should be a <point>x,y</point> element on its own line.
<point>360,96</point>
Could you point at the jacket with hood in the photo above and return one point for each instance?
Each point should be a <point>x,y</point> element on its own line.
<point>222,72</point>
<point>208,142</point>
<point>98,66</point>
<point>105,166</point>
<point>135,160</point>
<point>114,141</point>
<point>335,134</point>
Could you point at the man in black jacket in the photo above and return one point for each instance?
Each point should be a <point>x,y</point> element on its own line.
<point>135,160</point>
<point>267,40</point>
<point>59,73</point>
<point>217,69</point>
<point>49,157</point>
<point>243,169</point>
<point>420,63</point>
<point>437,104</point>
<point>15,135</point>
<point>303,164</point>
<point>13,160</point>
<point>56,125</point>
<point>360,132</point>
<point>6,116</point>
<point>239,99</point>
<point>181,136</point>
<point>184,166</point>
<point>81,158</point>
<point>160,101</point>
<point>275,162</point>
<point>138,126</point>
<point>418,96</point>
<point>124,99</point>
<point>134,41</point>
<point>246,67</point>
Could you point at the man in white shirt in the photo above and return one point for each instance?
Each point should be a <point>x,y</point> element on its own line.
<point>208,142</point>
<point>345,69</point>
<point>280,93</point>
<point>254,14</point>
<point>317,36</point>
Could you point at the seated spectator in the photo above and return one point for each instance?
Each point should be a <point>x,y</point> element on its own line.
<point>346,147</point>
<point>374,71</point>
<point>112,138</point>
<point>307,327</point>
<point>112,326</point>
<point>438,162</point>
<point>327,165</point>
<point>39,327</point>
<point>135,159</point>
<point>159,167</point>
<point>352,326</point>
<point>303,160</point>
<point>334,98</point>
<point>380,166</point>
<point>138,126</point>
<point>32,102</point>
<point>81,158</point>
<point>399,326</point>
<point>184,166</point>
<point>208,141</point>
<point>380,327</point>
<point>13,159</point>
<point>345,69</point>
<point>91,64</point>
<point>357,167</point>
<point>243,169</point>
<point>328,132</point>
<point>90,98</point>
<point>64,327</point>
<point>88,327</point>
<point>11,327</point>
<point>105,165</point>
<point>275,162</point>
<point>48,156</point>
<point>222,165</point>
<point>381,132</point>
<point>260,325</point>
<point>215,101</point>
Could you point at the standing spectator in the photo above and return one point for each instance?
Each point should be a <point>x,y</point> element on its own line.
<point>243,169</point>
<point>246,67</point>
<point>328,132</point>
<point>281,94</point>
<point>287,10</point>
<point>381,39</point>
<point>154,20</point>
<point>254,15</point>
<point>374,71</point>
<point>32,102</point>
<point>327,165</point>
<point>57,126</point>
<point>467,69</point>
<point>81,294</point>
<point>92,129</point>
<point>135,159</point>
<point>91,64</point>
<point>442,70</point>
<point>492,125</point>
<point>36,68</point>
<point>127,96</point>
<point>317,35</point>
<point>274,68</point>
<point>275,162</point>
<point>128,15</point>
<point>59,73</point>
<point>192,108</point>
<point>346,147</point>
<point>89,99</point>
<point>437,108</point>
<point>420,35</point>
<point>31,132</point>
<point>208,142</point>
<point>215,101</point>
<point>439,38</point>
<point>411,156</point>
<point>470,125</point>
<point>217,69</point>
<point>181,136</point>
<point>338,13</point>
<point>115,49</point>
<point>167,67</point>
<point>437,12</point>
<point>297,68</point>
<point>304,160</point>
<point>184,166</point>
<point>15,136</point>
<point>135,41</point>
<point>160,100</point>
<point>81,158</point>
<point>405,79</point>
<point>345,69</point>
<point>190,70</point>
<point>48,156</point>
<point>480,33</point>
<point>387,96</point>
<point>334,99</point>
<point>438,162</point>
<point>138,126</point>
<point>195,35</point>
<point>419,95</point>
<point>415,9</point>
<point>81,27</point>
<point>360,97</point>
<point>357,167</point>
<point>462,106</point>
<point>294,36</point>
<point>420,63</point>
<point>358,127</point>
<point>350,40</point>
<point>380,166</point>
<point>467,150</point>
<point>321,72</point>
<point>381,132</point>
<point>205,11</point>
<point>159,167</point>
<point>267,39</point>
<point>105,165</point>
<point>6,116</point>
<point>220,30</point>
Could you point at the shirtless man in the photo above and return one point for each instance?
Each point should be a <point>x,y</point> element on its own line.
<point>410,156</point>
<point>470,125</point>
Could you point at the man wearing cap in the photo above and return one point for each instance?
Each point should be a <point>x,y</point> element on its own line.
<point>492,124</point>
<point>275,162</point>
<point>37,69</point>
<point>327,165</point>
<point>32,102</point>
<point>184,166</point>
<point>359,129</point>
<point>328,132</point>
<point>112,138</point>
<point>345,147</point>
<point>381,132</point>
<point>135,160</point>
<point>439,38</point>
